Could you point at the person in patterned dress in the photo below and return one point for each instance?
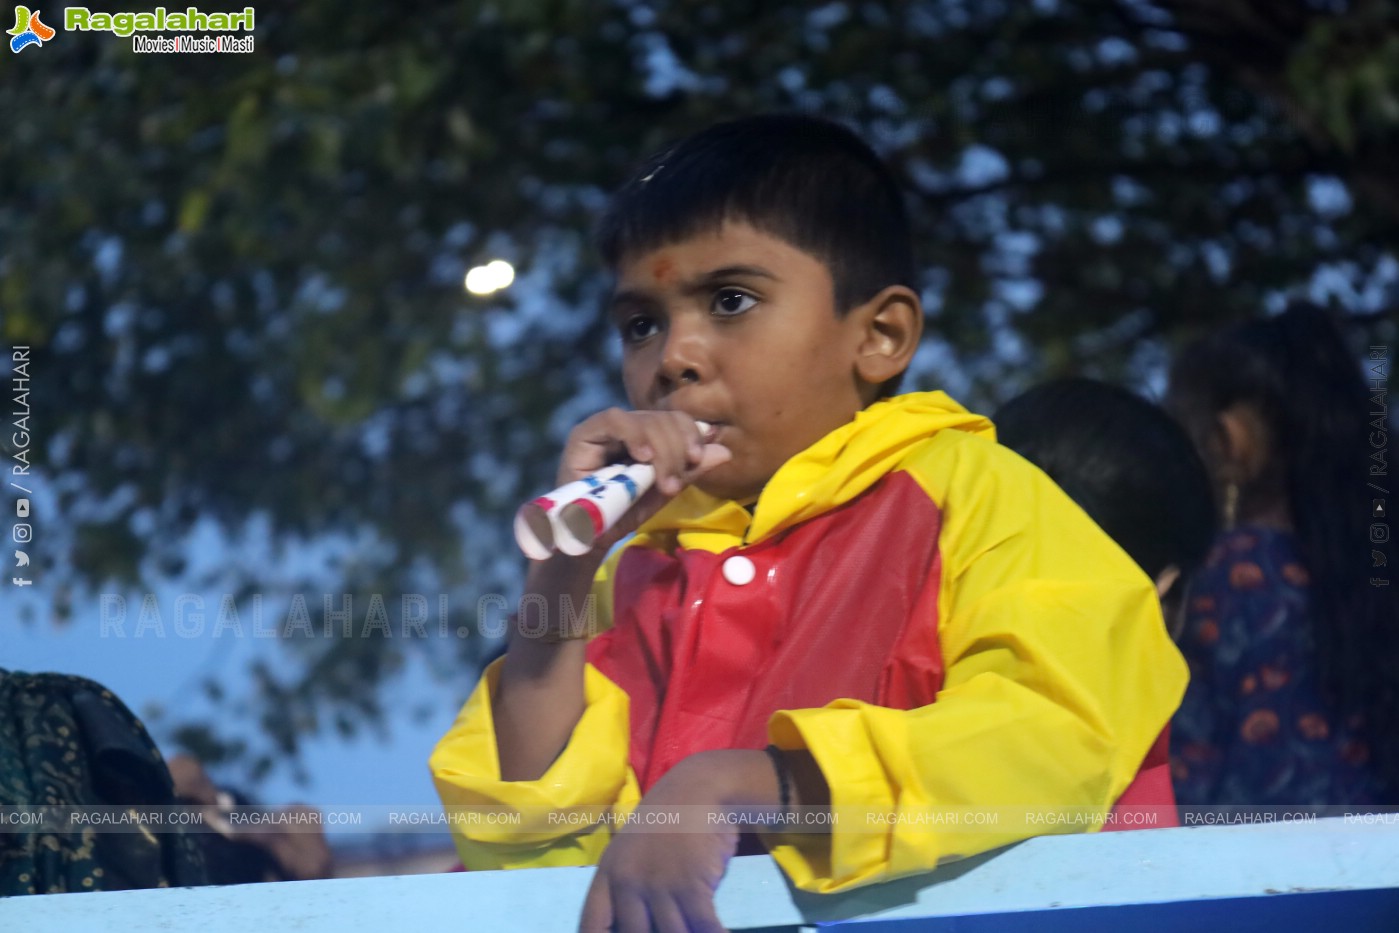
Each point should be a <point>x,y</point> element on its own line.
<point>1292,649</point>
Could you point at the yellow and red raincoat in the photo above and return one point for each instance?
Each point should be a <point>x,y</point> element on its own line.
<point>920,608</point>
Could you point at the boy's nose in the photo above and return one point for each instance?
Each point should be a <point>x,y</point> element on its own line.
<point>682,361</point>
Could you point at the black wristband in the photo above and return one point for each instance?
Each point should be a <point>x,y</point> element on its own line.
<point>784,777</point>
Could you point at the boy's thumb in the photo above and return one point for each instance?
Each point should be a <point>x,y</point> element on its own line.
<point>713,455</point>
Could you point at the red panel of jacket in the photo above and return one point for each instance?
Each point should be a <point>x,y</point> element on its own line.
<point>841,605</point>
<point>706,661</point>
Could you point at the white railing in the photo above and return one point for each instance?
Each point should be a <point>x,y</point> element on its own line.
<point>1338,874</point>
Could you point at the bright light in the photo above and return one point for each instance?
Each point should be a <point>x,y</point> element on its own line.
<point>492,277</point>
<point>504,272</point>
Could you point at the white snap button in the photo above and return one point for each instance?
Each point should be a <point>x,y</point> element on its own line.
<point>739,570</point>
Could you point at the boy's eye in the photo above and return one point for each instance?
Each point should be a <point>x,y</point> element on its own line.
<point>637,328</point>
<point>732,301</point>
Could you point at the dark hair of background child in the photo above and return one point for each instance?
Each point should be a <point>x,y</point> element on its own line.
<point>1126,463</point>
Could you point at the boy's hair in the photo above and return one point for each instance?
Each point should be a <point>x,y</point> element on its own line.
<point>808,181</point>
<point>1126,463</point>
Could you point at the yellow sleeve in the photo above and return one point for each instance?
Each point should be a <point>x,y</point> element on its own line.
<point>560,819</point>
<point>1059,677</point>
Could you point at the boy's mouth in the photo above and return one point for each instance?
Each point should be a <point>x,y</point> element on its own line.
<point>714,424</point>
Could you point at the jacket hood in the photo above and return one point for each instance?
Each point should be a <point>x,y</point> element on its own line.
<point>829,473</point>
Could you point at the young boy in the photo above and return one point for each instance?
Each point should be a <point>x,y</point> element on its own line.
<point>908,616</point>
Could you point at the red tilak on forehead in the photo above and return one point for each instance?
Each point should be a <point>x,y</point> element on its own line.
<point>663,270</point>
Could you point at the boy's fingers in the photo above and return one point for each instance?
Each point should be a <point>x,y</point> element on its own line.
<point>597,907</point>
<point>713,455</point>
<point>699,915</point>
<point>671,441</point>
<point>693,435</point>
<point>677,450</point>
<point>648,437</point>
<point>666,917</point>
<point>592,444</point>
<point>631,915</point>
<point>638,438</point>
<point>665,435</point>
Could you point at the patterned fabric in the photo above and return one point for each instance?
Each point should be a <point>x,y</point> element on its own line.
<point>1255,728</point>
<point>66,741</point>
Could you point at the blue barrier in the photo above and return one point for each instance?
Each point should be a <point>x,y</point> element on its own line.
<point>1339,873</point>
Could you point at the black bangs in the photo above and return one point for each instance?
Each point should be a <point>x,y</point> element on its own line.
<point>805,180</point>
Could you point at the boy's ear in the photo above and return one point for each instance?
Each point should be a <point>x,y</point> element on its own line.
<point>891,324</point>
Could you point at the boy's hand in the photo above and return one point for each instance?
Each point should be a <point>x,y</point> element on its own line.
<point>666,881</point>
<point>671,441</point>
<point>539,698</point>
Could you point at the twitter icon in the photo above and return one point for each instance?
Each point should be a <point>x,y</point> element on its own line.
<point>21,559</point>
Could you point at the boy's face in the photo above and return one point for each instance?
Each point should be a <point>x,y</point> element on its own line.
<point>739,329</point>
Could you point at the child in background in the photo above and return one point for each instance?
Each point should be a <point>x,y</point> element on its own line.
<point>1292,650</point>
<point>1130,466</point>
<point>838,597</point>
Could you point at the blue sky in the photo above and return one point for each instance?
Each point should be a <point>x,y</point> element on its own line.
<point>163,671</point>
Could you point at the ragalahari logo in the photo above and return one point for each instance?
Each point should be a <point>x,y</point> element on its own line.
<point>29,30</point>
